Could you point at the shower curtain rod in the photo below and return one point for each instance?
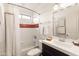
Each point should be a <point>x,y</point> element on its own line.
<point>24,8</point>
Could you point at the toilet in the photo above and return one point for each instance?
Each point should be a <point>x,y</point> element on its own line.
<point>34,52</point>
<point>37,50</point>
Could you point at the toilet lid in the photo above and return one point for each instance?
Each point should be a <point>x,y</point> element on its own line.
<point>34,51</point>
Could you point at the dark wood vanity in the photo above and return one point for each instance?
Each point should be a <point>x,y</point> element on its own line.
<point>49,51</point>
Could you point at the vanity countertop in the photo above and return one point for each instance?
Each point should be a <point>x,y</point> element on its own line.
<point>66,47</point>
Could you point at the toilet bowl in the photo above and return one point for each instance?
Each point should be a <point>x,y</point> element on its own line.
<point>34,52</point>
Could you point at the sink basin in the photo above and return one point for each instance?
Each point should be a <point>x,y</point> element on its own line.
<point>67,44</point>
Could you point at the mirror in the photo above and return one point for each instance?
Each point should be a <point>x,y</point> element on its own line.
<point>66,22</point>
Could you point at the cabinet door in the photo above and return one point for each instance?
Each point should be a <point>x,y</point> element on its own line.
<point>49,51</point>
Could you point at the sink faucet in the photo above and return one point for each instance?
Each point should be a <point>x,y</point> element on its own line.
<point>65,37</point>
<point>62,39</point>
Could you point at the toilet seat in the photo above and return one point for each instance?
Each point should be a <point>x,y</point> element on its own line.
<point>34,52</point>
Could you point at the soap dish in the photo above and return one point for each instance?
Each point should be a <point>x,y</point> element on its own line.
<point>49,38</point>
<point>76,44</point>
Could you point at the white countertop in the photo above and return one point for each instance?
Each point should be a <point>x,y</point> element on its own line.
<point>65,47</point>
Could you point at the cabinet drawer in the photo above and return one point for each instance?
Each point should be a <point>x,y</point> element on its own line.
<point>51,51</point>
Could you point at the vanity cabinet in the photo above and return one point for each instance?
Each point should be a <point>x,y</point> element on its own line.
<point>49,51</point>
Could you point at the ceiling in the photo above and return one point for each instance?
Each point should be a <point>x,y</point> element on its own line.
<point>42,7</point>
<point>39,7</point>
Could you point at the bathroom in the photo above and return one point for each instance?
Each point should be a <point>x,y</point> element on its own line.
<point>39,29</point>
